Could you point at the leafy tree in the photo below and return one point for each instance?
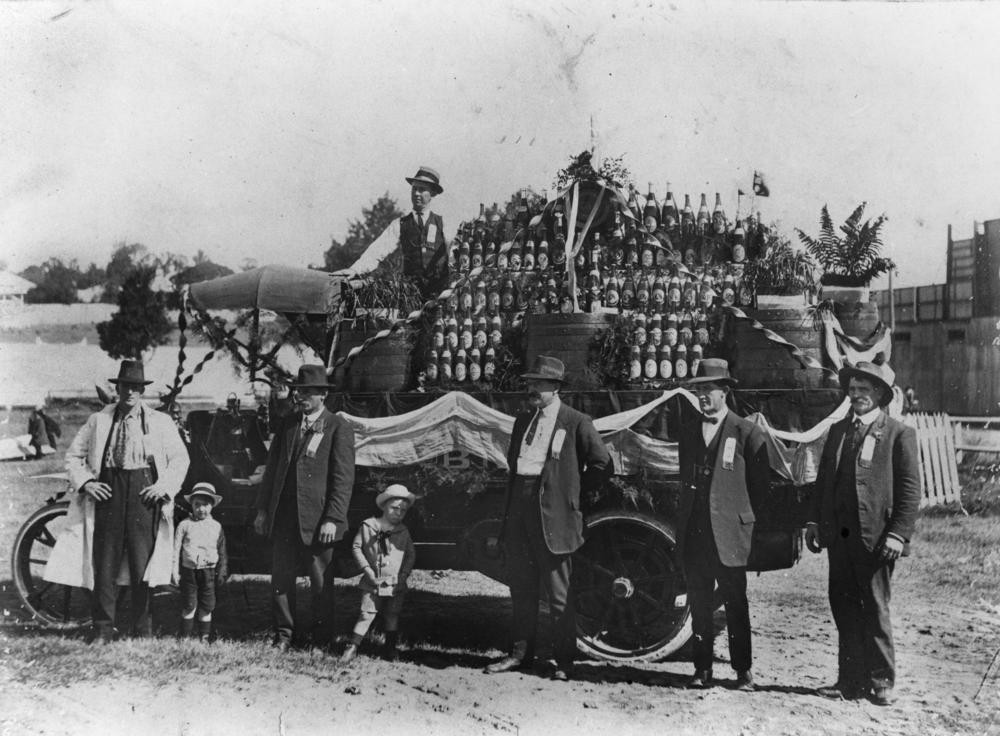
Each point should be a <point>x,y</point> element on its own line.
<point>124,260</point>
<point>93,276</point>
<point>361,233</point>
<point>56,282</point>
<point>141,320</point>
<point>851,259</point>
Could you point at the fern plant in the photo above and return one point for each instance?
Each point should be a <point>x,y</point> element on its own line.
<point>780,270</point>
<point>853,256</point>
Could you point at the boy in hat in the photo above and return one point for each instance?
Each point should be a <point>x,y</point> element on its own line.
<point>127,462</point>
<point>864,512</point>
<point>418,236</point>
<point>200,560</point>
<point>725,476</point>
<point>556,459</point>
<point>385,552</point>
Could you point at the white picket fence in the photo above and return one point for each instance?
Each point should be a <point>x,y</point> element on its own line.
<point>938,460</point>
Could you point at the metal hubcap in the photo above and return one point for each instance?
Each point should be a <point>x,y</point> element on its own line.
<point>622,588</point>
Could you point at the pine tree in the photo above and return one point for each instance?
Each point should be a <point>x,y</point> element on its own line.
<point>141,320</point>
<point>361,233</point>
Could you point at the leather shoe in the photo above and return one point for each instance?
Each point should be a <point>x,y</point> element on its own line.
<point>839,692</point>
<point>702,679</point>
<point>349,654</point>
<point>883,696</point>
<point>562,674</point>
<point>744,682</point>
<point>508,663</point>
<point>281,644</point>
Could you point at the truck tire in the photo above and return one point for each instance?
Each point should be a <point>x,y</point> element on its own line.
<point>631,599</point>
<point>52,605</point>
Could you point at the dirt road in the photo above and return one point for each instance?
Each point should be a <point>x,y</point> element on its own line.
<point>944,645</point>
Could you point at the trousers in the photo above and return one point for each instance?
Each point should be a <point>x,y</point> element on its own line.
<point>198,592</point>
<point>288,557</point>
<point>124,526</point>
<point>532,568</point>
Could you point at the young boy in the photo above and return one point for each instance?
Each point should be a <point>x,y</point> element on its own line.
<point>199,560</point>
<point>384,550</point>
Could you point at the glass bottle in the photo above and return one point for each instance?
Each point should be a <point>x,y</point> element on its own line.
<point>635,363</point>
<point>460,368</point>
<point>431,367</point>
<point>656,329</point>
<point>628,292</point>
<point>490,362</point>
<point>718,216</point>
<point>612,292</point>
<point>666,362</point>
<point>651,212</point>
<point>681,361</point>
<point>650,363</point>
<point>639,335</point>
<point>475,364</point>
<point>703,219</point>
<point>670,331</point>
<point>444,365</point>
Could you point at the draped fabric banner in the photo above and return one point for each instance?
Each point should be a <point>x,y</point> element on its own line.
<point>457,421</point>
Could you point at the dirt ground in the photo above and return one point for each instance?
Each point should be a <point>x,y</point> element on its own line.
<point>944,647</point>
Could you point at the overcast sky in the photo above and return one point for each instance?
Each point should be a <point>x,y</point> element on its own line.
<point>258,129</point>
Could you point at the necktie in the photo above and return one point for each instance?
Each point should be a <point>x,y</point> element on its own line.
<point>121,440</point>
<point>850,442</point>
<point>713,419</point>
<point>532,428</point>
<point>420,226</point>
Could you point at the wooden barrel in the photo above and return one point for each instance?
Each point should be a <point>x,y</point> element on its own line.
<point>382,366</point>
<point>853,308</point>
<point>757,362</point>
<point>568,337</point>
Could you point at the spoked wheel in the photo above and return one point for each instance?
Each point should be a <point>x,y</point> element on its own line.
<point>54,605</point>
<point>631,598</point>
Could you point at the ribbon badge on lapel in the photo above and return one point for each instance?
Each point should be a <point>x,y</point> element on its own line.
<point>315,435</point>
<point>868,448</point>
<point>557,442</point>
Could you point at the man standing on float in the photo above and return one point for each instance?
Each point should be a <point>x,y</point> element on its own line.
<point>418,236</point>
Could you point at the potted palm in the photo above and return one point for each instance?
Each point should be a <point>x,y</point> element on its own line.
<point>781,276</point>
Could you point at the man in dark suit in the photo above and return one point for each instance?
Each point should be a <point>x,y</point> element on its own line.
<point>302,504</point>
<point>556,457</point>
<point>725,477</point>
<point>864,512</point>
<point>418,236</point>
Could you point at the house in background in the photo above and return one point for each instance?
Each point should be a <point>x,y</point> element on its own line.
<point>12,291</point>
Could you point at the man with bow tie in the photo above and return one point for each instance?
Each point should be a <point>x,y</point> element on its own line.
<point>418,236</point>
<point>864,511</point>
<point>556,458</point>
<point>302,504</point>
<point>725,478</point>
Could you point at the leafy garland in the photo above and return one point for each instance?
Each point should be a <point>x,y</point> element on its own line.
<point>612,170</point>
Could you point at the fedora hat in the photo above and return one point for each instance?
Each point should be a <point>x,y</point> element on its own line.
<point>547,368</point>
<point>880,375</point>
<point>396,490</point>
<point>204,489</point>
<point>428,176</point>
<point>131,371</point>
<point>311,376</point>
<point>713,370</point>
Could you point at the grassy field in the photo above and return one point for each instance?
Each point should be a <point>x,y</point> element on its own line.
<point>946,609</point>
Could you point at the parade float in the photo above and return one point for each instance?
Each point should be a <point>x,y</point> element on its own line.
<point>630,294</point>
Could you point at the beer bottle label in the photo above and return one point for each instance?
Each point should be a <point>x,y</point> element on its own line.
<point>651,368</point>
<point>666,369</point>
<point>681,369</point>
<point>460,372</point>
<point>475,372</point>
<point>635,370</point>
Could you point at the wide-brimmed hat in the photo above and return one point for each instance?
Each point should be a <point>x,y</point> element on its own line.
<point>131,371</point>
<point>311,376</point>
<point>880,375</point>
<point>712,370</point>
<point>547,368</point>
<point>396,490</point>
<point>204,489</point>
<point>428,176</point>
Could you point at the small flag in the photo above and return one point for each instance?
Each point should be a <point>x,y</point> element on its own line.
<point>759,187</point>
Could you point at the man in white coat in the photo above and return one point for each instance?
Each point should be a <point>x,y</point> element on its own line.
<point>125,464</point>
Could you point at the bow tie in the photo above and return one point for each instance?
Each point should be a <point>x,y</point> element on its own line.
<point>713,419</point>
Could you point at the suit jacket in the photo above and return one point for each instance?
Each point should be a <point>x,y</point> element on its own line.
<point>734,495</point>
<point>323,482</point>
<point>583,465</point>
<point>887,494</point>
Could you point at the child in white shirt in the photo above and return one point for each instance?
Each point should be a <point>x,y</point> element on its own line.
<point>384,550</point>
<point>200,560</point>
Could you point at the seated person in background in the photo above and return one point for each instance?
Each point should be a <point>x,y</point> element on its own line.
<point>384,550</point>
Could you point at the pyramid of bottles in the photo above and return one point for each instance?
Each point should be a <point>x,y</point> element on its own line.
<point>667,271</point>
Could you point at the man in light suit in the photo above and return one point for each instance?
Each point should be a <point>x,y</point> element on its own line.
<point>725,478</point>
<point>302,504</point>
<point>556,457</point>
<point>864,512</point>
<point>418,236</point>
<point>128,462</point>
